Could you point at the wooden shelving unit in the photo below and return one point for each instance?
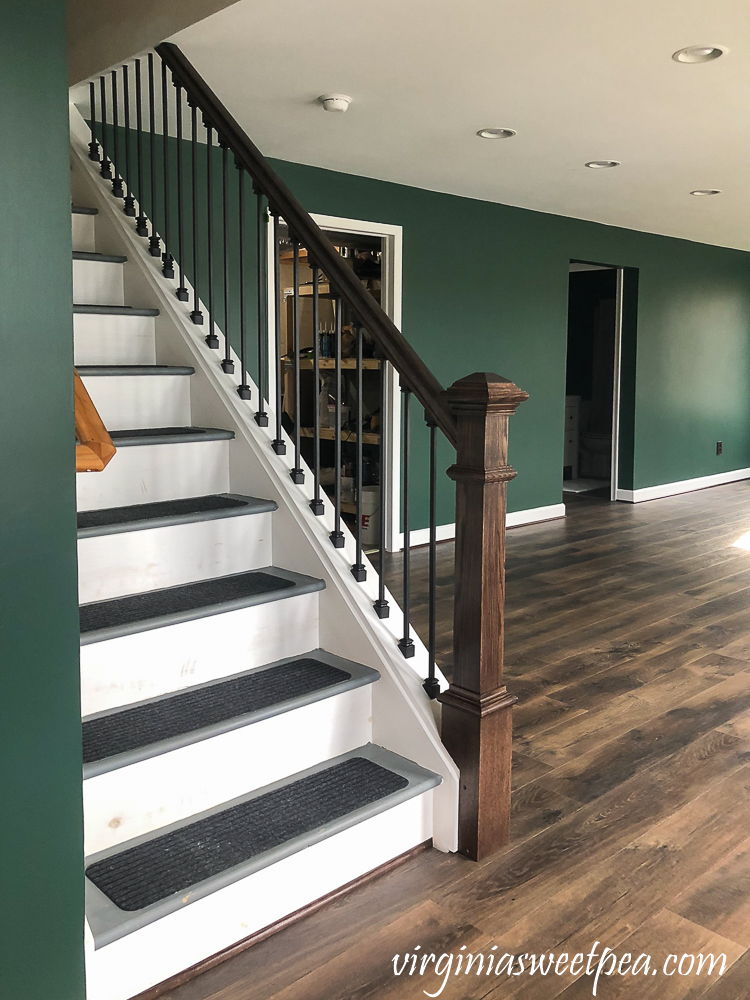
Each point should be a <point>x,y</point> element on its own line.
<point>324,291</point>
<point>329,434</point>
<point>307,364</point>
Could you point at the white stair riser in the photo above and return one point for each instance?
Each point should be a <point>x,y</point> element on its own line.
<point>83,227</point>
<point>203,928</point>
<point>131,668</point>
<point>130,401</point>
<point>131,562</point>
<point>134,800</point>
<point>113,340</point>
<point>147,473</point>
<point>98,283</point>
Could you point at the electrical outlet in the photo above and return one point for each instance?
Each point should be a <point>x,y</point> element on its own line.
<point>719,447</point>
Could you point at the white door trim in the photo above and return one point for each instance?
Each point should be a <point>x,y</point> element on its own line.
<point>392,284</point>
<point>575,266</point>
<point>392,297</point>
<point>614,478</point>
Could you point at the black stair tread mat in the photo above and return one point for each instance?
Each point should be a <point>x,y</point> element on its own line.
<point>135,370</point>
<point>188,597</point>
<point>168,435</point>
<point>189,711</point>
<point>113,310</point>
<point>83,210</point>
<point>163,866</point>
<point>101,258</point>
<point>170,509</point>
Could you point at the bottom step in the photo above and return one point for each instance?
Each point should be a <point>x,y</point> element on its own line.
<point>163,952</point>
<point>151,877</point>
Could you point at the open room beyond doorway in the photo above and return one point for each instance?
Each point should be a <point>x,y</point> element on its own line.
<point>592,376</point>
<point>373,251</point>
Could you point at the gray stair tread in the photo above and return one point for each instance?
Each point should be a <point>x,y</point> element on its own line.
<point>101,620</point>
<point>100,258</point>
<point>149,877</point>
<point>168,435</point>
<point>85,308</point>
<point>83,210</point>
<point>123,736</point>
<point>111,370</point>
<point>163,513</point>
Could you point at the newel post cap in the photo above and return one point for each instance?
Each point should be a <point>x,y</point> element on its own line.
<point>485,391</point>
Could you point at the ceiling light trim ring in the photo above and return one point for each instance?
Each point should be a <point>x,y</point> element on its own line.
<point>692,55</point>
<point>496,133</point>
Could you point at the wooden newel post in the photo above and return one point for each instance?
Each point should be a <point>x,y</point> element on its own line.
<point>476,723</point>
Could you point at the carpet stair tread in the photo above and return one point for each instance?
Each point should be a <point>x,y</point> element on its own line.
<point>120,616</point>
<point>124,736</point>
<point>147,878</point>
<point>163,513</point>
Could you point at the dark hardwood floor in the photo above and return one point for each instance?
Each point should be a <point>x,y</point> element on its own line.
<point>628,639</point>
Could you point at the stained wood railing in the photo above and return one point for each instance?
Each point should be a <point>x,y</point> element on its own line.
<point>473,414</point>
<point>94,448</point>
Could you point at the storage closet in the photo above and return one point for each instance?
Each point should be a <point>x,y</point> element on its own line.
<point>364,254</point>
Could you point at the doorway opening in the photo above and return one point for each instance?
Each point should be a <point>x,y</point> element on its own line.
<point>592,380</point>
<point>373,251</point>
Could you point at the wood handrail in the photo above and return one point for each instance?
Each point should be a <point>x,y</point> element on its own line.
<point>413,372</point>
<point>94,447</point>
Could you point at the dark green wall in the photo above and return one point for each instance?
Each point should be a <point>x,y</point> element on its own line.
<point>485,287</point>
<point>41,830</point>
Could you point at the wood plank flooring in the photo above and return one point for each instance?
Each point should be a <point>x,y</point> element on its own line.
<point>628,642</point>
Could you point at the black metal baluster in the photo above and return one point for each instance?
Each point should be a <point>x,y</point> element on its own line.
<point>196,315</point>
<point>261,416</point>
<point>93,145</point>
<point>406,644</point>
<point>337,535</point>
<point>212,338</point>
<point>278,444</point>
<point>154,246</point>
<point>181,292</point>
<point>298,476</point>
<point>167,260</point>
<point>129,207</point>
<point>117,190</point>
<point>140,223</point>
<point>243,389</point>
<point>381,605</point>
<point>316,504</point>
<point>359,572</point>
<point>106,168</point>
<point>431,684</point>
<point>227,364</point>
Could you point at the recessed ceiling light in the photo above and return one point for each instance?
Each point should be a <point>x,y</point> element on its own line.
<point>602,164</point>
<point>496,133</point>
<point>705,192</point>
<point>698,53</point>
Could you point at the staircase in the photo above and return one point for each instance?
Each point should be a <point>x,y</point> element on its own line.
<point>253,741</point>
<point>263,729</point>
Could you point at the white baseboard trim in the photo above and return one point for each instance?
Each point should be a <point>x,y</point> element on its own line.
<point>684,486</point>
<point>421,536</point>
<point>534,514</point>
<point>445,532</point>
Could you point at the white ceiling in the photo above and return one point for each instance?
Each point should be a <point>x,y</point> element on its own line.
<point>578,79</point>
